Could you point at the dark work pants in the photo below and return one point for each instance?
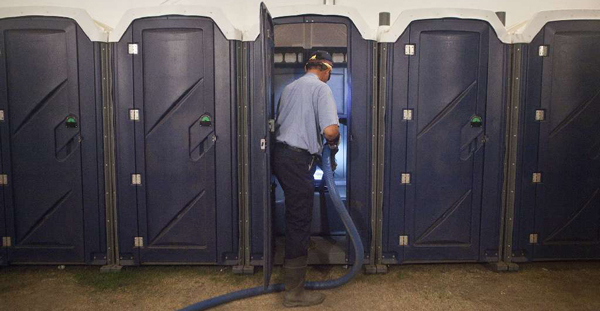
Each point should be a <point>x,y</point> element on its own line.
<point>294,172</point>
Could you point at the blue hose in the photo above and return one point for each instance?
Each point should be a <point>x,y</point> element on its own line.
<point>354,238</point>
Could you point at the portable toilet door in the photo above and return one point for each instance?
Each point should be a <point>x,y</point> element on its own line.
<point>445,95</point>
<point>175,140</point>
<point>557,210</point>
<point>352,85</point>
<point>257,99</point>
<point>51,138</point>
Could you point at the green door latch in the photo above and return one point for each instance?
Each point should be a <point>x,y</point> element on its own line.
<point>71,121</point>
<point>205,120</point>
<point>476,121</point>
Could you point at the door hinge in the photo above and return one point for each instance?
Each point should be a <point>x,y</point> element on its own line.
<point>1,115</point>
<point>403,241</point>
<point>540,115</point>
<point>134,114</point>
<point>136,179</point>
<point>6,241</point>
<point>537,177</point>
<point>533,238</point>
<point>409,49</point>
<point>3,179</point>
<point>133,48</point>
<point>263,144</point>
<point>407,114</point>
<point>138,241</point>
<point>405,178</point>
<point>543,50</point>
<point>272,125</point>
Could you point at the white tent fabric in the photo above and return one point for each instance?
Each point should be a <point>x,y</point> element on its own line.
<point>94,30</point>
<point>107,20</point>
<point>526,31</point>
<point>214,13</point>
<point>517,11</point>
<point>392,33</point>
<point>367,31</point>
<point>116,15</point>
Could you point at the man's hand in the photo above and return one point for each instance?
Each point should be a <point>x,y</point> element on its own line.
<point>333,146</point>
<point>332,133</point>
<point>334,143</point>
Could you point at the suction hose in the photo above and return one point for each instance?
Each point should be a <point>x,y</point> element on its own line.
<point>354,238</point>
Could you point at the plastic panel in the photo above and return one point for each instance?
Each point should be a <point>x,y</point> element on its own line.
<point>450,209</point>
<point>55,210</point>
<point>187,168</point>
<point>564,208</point>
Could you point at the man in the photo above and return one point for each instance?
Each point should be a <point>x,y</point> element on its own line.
<point>307,112</point>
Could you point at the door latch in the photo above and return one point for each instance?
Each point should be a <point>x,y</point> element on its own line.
<point>476,121</point>
<point>71,121</point>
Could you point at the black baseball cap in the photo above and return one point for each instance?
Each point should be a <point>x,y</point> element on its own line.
<point>319,56</point>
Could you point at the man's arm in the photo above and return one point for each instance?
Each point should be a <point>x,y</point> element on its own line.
<point>328,118</point>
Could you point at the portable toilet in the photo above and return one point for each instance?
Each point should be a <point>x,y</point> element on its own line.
<point>555,212</point>
<point>278,48</point>
<point>444,91</point>
<point>51,125</point>
<point>175,97</point>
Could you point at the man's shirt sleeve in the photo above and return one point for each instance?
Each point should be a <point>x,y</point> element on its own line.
<point>327,109</point>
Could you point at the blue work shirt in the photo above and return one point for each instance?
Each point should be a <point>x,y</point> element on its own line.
<point>306,108</point>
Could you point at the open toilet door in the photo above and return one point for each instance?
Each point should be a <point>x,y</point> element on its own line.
<point>260,67</point>
<point>267,42</point>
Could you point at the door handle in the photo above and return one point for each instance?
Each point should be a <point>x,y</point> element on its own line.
<point>471,137</point>
<point>67,138</point>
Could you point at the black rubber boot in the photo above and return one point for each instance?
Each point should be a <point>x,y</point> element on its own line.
<point>295,295</point>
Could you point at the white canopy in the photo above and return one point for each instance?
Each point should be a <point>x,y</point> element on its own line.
<point>526,31</point>
<point>94,30</point>
<point>367,31</point>
<point>214,13</point>
<point>406,17</point>
<point>239,19</point>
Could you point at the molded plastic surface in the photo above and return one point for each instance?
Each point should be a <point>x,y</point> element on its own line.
<point>564,209</point>
<point>182,72</point>
<point>54,202</point>
<point>450,209</point>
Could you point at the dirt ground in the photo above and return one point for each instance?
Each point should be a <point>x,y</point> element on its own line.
<point>538,286</point>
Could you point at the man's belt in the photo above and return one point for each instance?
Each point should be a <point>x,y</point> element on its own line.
<point>292,148</point>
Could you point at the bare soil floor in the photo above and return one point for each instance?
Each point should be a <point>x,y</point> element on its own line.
<point>538,286</point>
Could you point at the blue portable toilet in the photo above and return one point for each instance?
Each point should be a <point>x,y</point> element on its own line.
<point>278,48</point>
<point>52,167</point>
<point>176,145</point>
<point>444,88</point>
<point>556,209</point>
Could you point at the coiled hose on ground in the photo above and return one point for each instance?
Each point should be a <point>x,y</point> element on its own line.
<point>354,238</point>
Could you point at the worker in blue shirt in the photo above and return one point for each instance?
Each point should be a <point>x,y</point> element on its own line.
<point>307,114</point>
